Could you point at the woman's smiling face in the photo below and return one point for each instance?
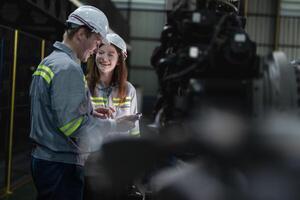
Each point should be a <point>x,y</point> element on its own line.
<point>107,58</point>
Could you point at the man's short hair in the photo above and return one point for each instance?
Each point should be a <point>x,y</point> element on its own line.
<point>71,29</point>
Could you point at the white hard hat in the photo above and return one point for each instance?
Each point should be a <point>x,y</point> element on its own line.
<point>91,17</point>
<point>115,39</point>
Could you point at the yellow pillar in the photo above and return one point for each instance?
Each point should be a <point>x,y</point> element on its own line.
<point>277,26</point>
<point>246,8</point>
<point>43,49</point>
<point>11,123</point>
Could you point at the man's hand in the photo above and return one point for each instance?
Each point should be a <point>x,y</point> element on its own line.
<point>126,123</point>
<point>103,113</point>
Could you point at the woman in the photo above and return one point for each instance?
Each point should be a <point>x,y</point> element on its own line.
<point>113,96</point>
<point>107,81</point>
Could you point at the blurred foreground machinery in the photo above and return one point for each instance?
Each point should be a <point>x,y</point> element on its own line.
<point>226,122</point>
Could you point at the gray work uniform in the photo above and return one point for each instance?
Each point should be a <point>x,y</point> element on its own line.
<point>62,126</point>
<point>108,97</point>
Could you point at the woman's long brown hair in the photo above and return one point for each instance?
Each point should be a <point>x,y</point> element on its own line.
<point>119,76</point>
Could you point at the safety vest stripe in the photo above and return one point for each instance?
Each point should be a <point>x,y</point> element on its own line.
<point>98,98</point>
<point>121,101</point>
<point>122,104</point>
<point>117,102</point>
<point>44,75</point>
<point>98,104</point>
<point>47,69</point>
<point>99,101</point>
<point>118,99</point>
<point>135,132</point>
<point>72,126</point>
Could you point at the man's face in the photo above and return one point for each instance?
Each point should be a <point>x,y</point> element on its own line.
<point>89,46</point>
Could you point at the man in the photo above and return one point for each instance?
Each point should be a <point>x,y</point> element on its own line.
<point>64,128</point>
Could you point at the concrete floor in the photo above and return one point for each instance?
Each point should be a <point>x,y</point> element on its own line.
<point>24,192</point>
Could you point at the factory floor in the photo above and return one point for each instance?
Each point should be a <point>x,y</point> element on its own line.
<point>23,188</point>
<point>23,192</point>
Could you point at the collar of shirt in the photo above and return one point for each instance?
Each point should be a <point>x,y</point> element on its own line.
<point>101,86</point>
<point>63,47</point>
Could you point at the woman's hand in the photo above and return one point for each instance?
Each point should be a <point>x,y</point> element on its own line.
<point>104,113</point>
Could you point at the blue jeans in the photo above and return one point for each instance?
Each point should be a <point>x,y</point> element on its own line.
<point>57,181</point>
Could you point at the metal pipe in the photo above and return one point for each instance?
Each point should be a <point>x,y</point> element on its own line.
<point>12,110</point>
<point>43,49</point>
<point>76,2</point>
<point>277,26</point>
<point>1,58</point>
<point>245,8</point>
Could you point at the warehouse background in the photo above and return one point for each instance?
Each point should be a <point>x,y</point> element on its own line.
<point>29,27</point>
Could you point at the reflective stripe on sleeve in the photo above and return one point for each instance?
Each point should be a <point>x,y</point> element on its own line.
<point>44,75</point>
<point>44,72</point>
<point>72,126</point>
